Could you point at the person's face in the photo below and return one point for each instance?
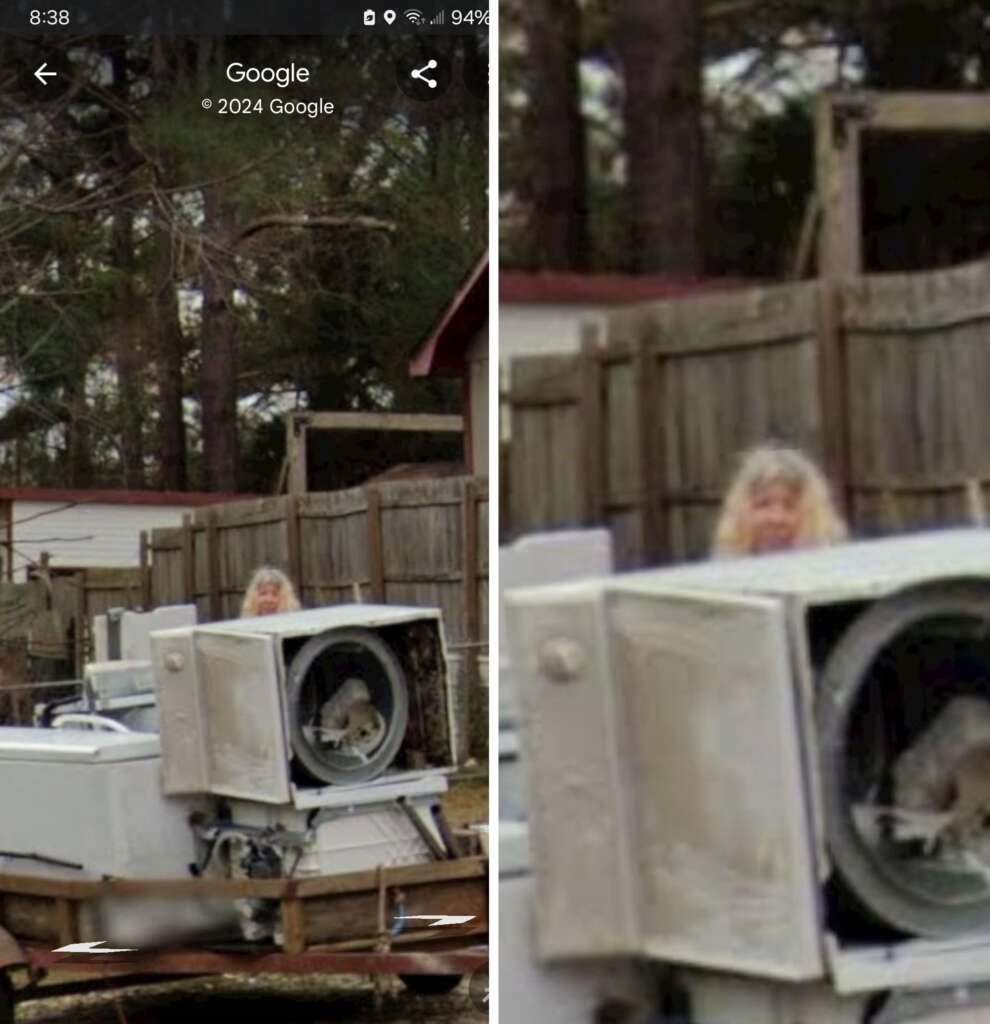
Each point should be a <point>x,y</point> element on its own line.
<point>774,512</point>
<point>269,598</point>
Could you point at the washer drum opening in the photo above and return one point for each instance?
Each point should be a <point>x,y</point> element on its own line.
<point>348,707</point>
<point>903,722</point>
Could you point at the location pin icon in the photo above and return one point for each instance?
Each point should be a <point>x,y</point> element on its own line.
<point>389,17</point>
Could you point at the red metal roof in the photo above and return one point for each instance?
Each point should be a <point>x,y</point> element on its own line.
<point>444,350</point>
<point>603,289</point>
<point>109,497</point>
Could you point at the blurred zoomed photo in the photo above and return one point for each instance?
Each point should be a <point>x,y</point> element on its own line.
<point>244,498</point>
<point>744,574</point>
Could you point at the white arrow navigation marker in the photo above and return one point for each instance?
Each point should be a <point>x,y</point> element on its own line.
<point>89,947</point>
<point>41,74</point>
<point>439,919</point>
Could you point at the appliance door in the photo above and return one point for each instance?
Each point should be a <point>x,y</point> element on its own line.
<point>222,720</point>
<point>708,734</point>
<point>668,811</point>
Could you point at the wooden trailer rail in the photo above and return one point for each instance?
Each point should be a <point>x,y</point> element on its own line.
<point>326,913</point>
<point>196,961</point>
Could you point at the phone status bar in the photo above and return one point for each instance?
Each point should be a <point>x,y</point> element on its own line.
<point>239,17</point>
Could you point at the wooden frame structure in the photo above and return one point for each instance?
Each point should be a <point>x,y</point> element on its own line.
<point>840,119</point>
<point>297,424</point>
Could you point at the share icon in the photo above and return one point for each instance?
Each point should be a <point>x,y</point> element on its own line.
<point>423,73</point>
<point>418,73</point>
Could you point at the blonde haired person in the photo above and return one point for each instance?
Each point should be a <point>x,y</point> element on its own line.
<point>269,591</point>
<point>778,500</point>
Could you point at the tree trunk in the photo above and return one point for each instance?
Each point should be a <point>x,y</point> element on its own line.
<point>127,330</point>
<point>79,462</point>
<point>218,348</point>
<point>558,187</point>
<point>169,349</point>
<point>80,465</point>
<point>659,45</point>
<point>167,69</point>
<point>128,342</point>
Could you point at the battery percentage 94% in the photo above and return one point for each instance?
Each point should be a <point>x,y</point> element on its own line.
<point>469,17</point>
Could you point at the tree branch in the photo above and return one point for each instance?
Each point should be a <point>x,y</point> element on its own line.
<point>277,220</point>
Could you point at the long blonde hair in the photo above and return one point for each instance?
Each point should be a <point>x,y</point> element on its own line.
<point>267,575</point>
<point>820,522</point>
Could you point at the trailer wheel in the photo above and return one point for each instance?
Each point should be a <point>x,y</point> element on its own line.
<point>431,984</point>
<point>6,999</point>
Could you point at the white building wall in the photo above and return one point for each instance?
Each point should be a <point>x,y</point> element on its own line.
<point>537,329</point>
<point>91,534</point>
<point>540,328</point>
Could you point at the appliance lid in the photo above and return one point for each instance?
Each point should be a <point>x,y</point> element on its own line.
<point>855,570</point>
<point>316,620</point>
<point>18,743</point>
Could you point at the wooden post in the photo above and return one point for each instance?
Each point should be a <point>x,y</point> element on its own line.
<point>66,920</point>
<point>145,555</point>
<point>649,396</point>
<point>591,413</point>
<point>302,467</point>
<point>837,133</point>
<point>469,526</point>
<point>975,502</point>
<point>293,542</point>
<point>290,453</point>
<point>376,554</point>
<point>295,451</point>
<point>470,679</point>
<point>188,560</point>
<point>293,927</point>
<point>832,398</point>
<point>80,617</point>
<point>213,564</point>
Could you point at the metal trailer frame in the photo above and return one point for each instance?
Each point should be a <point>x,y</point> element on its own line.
<point>458,884</point>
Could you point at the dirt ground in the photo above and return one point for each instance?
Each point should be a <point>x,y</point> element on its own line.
<point>275,999</point>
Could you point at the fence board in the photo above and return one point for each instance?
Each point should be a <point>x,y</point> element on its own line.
<point>892,402</point>
<point>419,559</point>
<point>623,474</point>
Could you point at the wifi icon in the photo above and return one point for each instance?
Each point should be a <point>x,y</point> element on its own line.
<point>416,17</point>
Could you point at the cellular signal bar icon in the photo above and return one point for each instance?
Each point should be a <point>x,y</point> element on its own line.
<point>437,19</point>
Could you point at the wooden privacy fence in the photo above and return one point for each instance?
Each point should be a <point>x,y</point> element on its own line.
<point>45,630</point>
<point>421,542</point>
<point>406,542</point>
<point>883,378</point>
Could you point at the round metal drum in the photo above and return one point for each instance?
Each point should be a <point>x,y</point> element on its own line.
<point>904,732</point>
<point>348,706</point>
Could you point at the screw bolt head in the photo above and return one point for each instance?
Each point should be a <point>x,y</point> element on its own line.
<point>562,659</point>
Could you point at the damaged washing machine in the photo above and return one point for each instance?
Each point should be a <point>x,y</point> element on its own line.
<point>773,767</point>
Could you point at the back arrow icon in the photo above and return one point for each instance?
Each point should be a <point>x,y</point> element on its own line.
<point>41,74</point>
